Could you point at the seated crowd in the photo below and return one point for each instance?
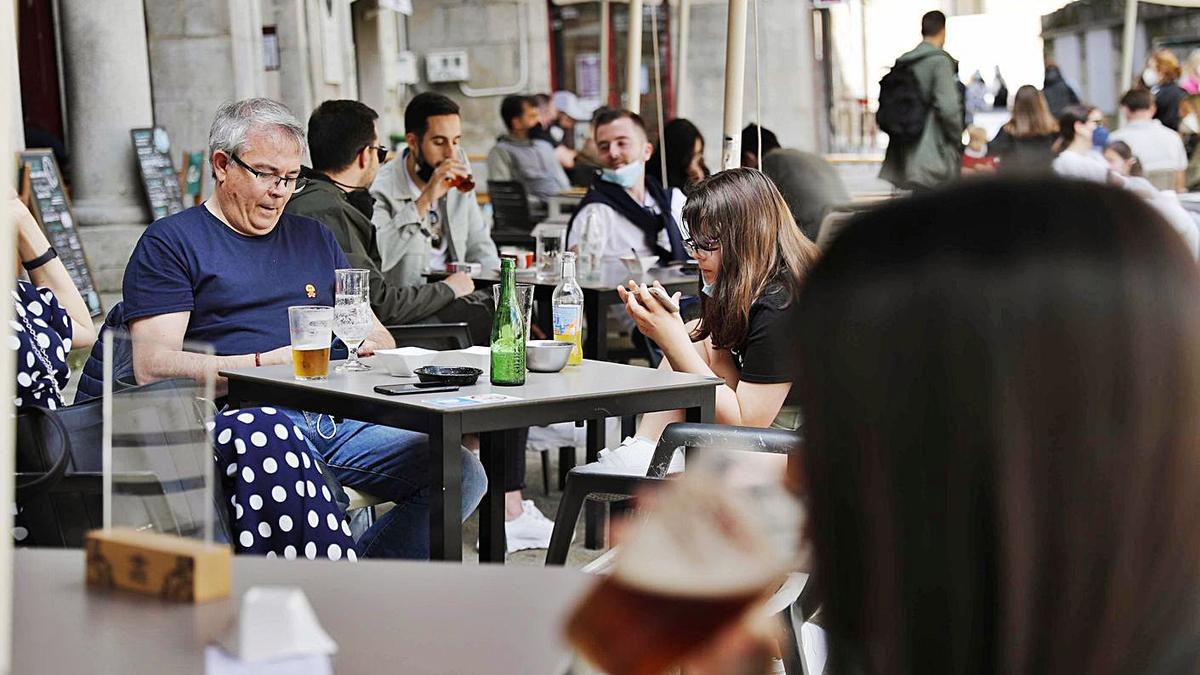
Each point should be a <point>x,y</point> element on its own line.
<point>994,476</point>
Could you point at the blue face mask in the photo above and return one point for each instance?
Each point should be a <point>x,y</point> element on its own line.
<point>1100,137</point>
<point>708,288</point>
<point>625,176</point>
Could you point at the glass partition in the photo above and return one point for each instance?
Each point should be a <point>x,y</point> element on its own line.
<point>157,445</point>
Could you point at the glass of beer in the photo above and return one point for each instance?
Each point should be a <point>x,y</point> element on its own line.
<point>699,559</point>
<point>463,183</point>
<point>311,328</point>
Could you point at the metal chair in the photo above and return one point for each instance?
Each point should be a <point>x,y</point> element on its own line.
<point>512,222</point>
<point>596,481</point>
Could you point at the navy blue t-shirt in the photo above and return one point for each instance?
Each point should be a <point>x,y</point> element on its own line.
<point>238,288</point>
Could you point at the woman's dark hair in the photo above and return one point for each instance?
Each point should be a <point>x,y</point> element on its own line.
<point>680,136</point>
<point>741,212</point>
<point>1122,150</point>
<point>1067,119</point>
<point>1002,426</point>
<point>337,132</point>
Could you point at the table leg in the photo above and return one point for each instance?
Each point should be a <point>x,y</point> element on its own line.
<point>493,447</point>
<point>445,489</point>
<point>704,413</point>
<point>595,343</point>
<point>593,518</point>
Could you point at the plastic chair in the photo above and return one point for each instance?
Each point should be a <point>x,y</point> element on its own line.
<point>598,481</point>
<point>512,222</point>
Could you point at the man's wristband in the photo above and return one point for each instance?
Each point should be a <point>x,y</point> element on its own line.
<point>42,259</point>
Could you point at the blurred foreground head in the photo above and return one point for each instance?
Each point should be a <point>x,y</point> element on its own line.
<point>1002,415</point>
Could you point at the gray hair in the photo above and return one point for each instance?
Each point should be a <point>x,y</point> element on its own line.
<point>234,122</point>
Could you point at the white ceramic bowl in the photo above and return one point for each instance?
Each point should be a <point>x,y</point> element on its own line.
<point>547,356</point>
<point>402,361</point>
<point>639,265</point>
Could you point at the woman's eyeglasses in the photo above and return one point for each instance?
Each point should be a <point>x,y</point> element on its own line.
<point>692,246</point>
<point>270,180</point>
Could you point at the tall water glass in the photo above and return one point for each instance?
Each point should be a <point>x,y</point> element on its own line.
<point>524,297</point>
<point>310,328</point>
<point>352,318</point>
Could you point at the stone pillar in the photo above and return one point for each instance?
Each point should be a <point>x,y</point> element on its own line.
<point>107,74</point>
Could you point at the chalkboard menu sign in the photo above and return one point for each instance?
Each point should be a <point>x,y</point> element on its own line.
<point>153,149</point>
<point>49,204</point>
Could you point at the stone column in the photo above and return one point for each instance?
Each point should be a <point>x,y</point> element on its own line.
<point>107,75</point>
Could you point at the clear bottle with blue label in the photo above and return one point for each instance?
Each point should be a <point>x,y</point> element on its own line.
<point>567,304</point>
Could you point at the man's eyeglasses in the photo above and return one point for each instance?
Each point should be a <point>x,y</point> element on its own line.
<point>269,180</point>
<point>381,151</point>
<point>692,246</point>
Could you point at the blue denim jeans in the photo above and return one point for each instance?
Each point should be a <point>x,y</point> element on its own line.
<point>391,464</point>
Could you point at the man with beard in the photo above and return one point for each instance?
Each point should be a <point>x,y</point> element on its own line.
<point>343,141</point>
<point>421,220</point>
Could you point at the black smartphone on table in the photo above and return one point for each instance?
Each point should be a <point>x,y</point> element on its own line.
<point>413,388</point>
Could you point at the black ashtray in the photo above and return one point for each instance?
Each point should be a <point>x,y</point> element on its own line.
<point>457,375</point>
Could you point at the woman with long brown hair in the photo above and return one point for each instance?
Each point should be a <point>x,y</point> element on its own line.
<point>1025,143</point>
<point>1002,424</point>
<point>752,258</point>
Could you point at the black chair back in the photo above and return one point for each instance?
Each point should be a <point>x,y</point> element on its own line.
<point>436,336</point>
<point>512,222</point>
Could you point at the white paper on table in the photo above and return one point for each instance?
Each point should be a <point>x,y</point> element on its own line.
<point>276,623</point>
<point>218,662</point>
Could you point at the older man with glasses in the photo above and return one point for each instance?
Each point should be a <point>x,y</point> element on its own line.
<point>225,272</point>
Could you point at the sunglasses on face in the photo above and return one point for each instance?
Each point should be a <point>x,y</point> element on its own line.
<point>381,151</point>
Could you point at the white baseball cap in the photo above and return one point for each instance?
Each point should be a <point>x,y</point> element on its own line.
<point>574,107</point>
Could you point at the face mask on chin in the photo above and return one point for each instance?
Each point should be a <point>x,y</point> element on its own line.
<point>424,169</point>
<point>362,201</point>
<point>1100,137</point>
<point>625,176</point>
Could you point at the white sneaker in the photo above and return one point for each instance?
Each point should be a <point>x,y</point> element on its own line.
<point>633,457</point>
<point>529,530</point>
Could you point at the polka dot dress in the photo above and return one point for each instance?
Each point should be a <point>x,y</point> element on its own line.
<point>41,338</point>
<point>279,505</point>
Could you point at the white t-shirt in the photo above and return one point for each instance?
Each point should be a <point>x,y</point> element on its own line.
<point>678,199</point>
<point>1091,168</point>
<point>437,254</point>
<point>619,235</point>
<point>1156,146</point>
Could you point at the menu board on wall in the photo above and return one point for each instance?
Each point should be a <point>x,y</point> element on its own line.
<point>159,178</point>
<point>50,206</point>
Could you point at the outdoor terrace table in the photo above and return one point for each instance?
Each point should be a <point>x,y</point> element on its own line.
<point>386,617</point>
<point>591,391</point>
<point>559,206</point>
<point>599,293</point>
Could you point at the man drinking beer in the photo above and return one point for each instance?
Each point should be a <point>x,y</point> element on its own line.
<point>225,273</point>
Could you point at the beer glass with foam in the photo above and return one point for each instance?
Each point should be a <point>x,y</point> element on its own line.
<point>311,328</point>
<point>713,546</point>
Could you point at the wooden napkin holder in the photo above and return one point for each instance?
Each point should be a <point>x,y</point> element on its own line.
<point>163,566</point>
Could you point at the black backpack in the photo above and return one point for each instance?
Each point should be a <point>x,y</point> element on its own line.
<point>903,108</point>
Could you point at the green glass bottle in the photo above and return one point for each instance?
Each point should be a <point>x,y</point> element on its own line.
<point>508,330</point>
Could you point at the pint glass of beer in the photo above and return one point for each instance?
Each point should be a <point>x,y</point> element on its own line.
<point>312,330</point>
<point>694,564</point>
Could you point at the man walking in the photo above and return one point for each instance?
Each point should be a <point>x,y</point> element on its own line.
<point>925,82</point>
